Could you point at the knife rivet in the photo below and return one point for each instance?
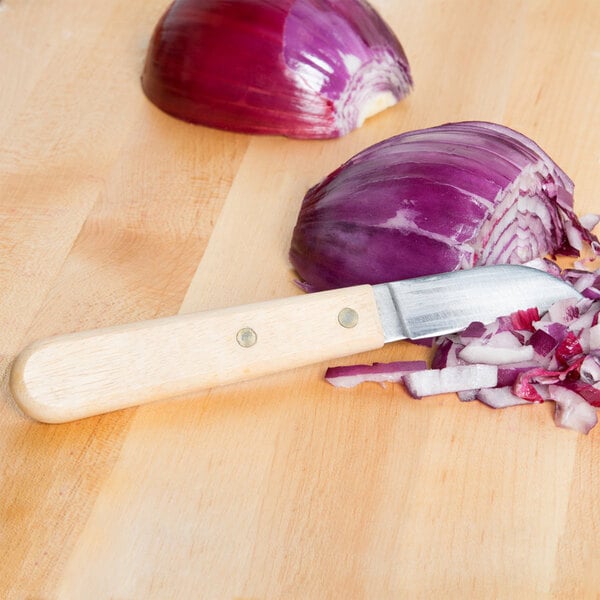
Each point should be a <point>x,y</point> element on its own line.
<point>246,337</point>
<point>348,317</point>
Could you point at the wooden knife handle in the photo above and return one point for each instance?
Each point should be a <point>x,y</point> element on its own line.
<point>78,375</point>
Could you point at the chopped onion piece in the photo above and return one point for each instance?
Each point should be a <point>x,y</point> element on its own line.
<point>590,393</point>
<point>542,342</point>
<point>546,265</point>
<point>571,410</point>
<point>568,349</point>
<point>475,330</point>
<point>500,397</point>
<point>495,355</point>
<point>508,375</point>
<point>590,221</point>
<point>590,368</point>
<point>467,395</point>
<point>446,354</point>
<point>563,311</point>
<point>352,375</point>
<point>524,319</point>
<point>450,379</point>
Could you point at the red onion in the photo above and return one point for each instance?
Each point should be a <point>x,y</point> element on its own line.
<point>435,200</point>
<point>299,68</point>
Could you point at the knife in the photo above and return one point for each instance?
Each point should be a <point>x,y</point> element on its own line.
<point>77,375</point>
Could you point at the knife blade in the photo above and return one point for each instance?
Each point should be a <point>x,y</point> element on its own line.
<point>77,375</point>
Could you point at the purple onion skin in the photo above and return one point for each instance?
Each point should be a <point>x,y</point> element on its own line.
<point>543,343</point>
<point>433,201</point>
<point>298,68</point>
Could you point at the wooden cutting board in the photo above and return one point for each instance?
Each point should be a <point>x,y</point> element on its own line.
<point>111,211</point>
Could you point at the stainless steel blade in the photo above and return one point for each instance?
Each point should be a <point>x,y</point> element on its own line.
<point>440,304</point>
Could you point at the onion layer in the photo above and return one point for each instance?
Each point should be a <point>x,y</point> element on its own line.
<point>299,68</point>
<point>349,376</point>
<point>432,201</point>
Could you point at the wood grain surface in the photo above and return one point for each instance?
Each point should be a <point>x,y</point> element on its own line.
<point>284,487</point>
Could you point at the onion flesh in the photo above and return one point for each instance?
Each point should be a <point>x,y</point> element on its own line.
<point>435,200</point>
<point>298,68</point>
<point>450,379</point>
<point>349,376</point>
<point>500,397</point>
<point>571,410</point>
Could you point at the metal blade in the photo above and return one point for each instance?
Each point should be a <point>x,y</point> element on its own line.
<point>440,304</point>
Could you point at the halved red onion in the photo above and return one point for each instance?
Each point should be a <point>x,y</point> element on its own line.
<point>450,379</point>
<point>435,200</point>
<point>299,68</point>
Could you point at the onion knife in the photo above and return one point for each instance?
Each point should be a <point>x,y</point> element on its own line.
<point>77,375</point>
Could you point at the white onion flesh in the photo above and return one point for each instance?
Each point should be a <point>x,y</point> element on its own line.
<point>450,379</point>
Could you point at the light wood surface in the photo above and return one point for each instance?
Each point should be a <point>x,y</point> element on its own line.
<point>283,487</point>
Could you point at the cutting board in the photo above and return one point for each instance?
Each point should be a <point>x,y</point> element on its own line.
<point>284,487</point>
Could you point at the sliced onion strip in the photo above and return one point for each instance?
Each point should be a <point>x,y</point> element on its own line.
<point>450,379</point>
<point>349,376</point>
